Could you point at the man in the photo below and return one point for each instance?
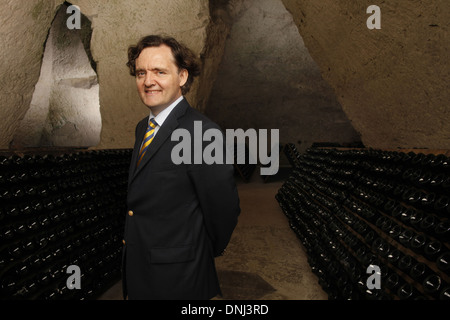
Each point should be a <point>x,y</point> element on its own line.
<point>180,216</point>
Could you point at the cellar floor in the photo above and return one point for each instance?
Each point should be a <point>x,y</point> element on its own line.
<point>264,260</point>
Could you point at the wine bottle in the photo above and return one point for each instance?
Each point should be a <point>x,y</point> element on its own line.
<point>437,180</point>
<point>406,216</point>
<point>406,263</point>
<point>394,281</point>
<point>394,256</point>
<point>370,237</point>
<point>397,211</point>
<point>407,292</point>
<point>427,200</point>
<point>389,206</point>
<point>420,271</point>
<point>428,224</point>
<point>418,243</point>
<point>424,179</point>
<point>445,294</point>
<point>433,249</point>
<point>406,236</point>
<point>443,262</point>
<point>432,285</point>
<point>441,205</point>
<point>381,247</point>
<point>416,218</point>
<point>412,196</point>
<point>442,230</point>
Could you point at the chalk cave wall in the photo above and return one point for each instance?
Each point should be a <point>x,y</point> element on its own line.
<point>268,80</point>
<point>65,108</point>
<point>115,26</point>
<point>393,82</point>
<point>340,81</point>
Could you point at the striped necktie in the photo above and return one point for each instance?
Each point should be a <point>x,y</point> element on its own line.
<point>148,138</point>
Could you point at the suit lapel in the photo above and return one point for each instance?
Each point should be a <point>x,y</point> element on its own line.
<point>164,132</point>
<point>140,132</point>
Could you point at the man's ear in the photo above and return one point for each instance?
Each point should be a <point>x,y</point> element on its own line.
<point>183,74</point>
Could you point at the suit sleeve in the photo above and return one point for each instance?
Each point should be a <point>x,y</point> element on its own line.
<point>219,201</point>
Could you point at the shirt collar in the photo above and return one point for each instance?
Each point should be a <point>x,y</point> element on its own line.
<point>162,116</point>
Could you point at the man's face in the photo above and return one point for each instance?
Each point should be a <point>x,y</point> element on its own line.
<point>158,79</point>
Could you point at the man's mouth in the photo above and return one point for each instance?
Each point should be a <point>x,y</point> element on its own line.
<point>152,92</point>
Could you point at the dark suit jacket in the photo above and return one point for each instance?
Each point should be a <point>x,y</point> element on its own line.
<point>182,217</point>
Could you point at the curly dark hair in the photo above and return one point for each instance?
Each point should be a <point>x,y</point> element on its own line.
<point>183,56</point>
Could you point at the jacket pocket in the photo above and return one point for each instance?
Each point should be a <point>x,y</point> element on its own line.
<point>172,254</point>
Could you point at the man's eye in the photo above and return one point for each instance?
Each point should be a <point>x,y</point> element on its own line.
<point>140,74</point>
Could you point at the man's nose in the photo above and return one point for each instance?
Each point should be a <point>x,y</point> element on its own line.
<point>149,80</point>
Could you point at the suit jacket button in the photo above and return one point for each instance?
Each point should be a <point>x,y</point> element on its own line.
<point>130,213</point>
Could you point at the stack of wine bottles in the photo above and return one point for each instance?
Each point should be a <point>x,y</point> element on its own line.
<point>292,154</point>
<point>352,209</point>
<point>58,211</point>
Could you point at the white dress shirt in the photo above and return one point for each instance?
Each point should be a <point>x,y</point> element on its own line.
<point>162,116</point>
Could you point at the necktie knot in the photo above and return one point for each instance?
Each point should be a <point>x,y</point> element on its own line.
<point>152,123</point>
